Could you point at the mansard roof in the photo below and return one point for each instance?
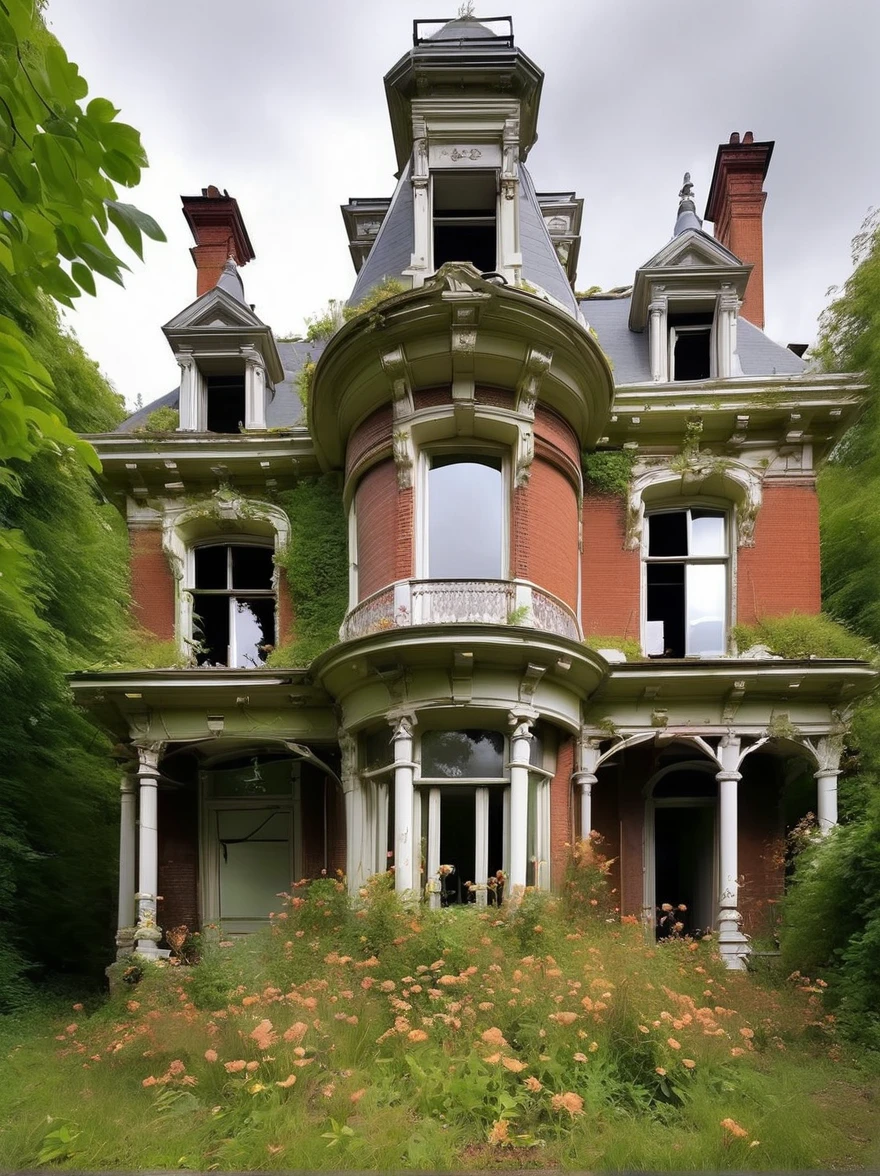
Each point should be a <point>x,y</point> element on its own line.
<point>392,250</point>
<point>628,350</point>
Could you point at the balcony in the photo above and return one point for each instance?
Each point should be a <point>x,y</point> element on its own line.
<point>460,602</point>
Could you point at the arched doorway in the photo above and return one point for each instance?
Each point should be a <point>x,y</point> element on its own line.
<point>681,844</point>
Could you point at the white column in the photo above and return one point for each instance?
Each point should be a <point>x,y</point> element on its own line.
<point>585,781</point>
<point>356,864</point>
<point>432,865</point>
<point>404,834</point>
<point>658,342</point>
<point>148,933</point>
<point>381,827</point>
<point>731,941</point>
<point>188,407</point>
<point>826,798</point>
<point>481,845</point>
<point>520,748</point>
<point>127,862</point>
<point>254,389</point>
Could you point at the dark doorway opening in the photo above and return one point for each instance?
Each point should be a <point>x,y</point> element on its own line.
<point>684,861</point>
<point>226,404</point>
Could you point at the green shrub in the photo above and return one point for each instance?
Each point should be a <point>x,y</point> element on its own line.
<point>801,635</point>
<point>160,420</point>
<point>628,646</point>
<point>609,471</point>
<point>383,290</point>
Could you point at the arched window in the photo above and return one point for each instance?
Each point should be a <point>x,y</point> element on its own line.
<point>686,583</point>
<point>465,517</point>
<point>233,596</point>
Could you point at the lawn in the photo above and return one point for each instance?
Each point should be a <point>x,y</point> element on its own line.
<point>375,1036</point>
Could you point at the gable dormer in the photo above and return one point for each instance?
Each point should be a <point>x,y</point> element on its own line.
<point>688,297</point>
<point>229,362</point>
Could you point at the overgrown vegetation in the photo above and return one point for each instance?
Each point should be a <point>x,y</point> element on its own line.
<point>802,635</point>
<point>160,420</point>
<point>383,290</point>
<point>377,1036</point>
<point>832,912</point>
<point>609,471</point>
<point>628,646</point>
<point>58,789</point>
<point>316,563</point>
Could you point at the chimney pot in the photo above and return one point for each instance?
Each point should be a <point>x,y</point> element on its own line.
<point>748,137</point>
<point>734,137</point>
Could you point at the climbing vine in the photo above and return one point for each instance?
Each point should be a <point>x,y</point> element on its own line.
<point>609,471</point>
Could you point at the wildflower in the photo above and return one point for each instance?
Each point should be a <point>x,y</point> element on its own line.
<point>287,1082</point>
<point>581,1057</point>
<point>493,1036</point>
<point>498,1132</point>
<point>644,1029</point>
<point>210,1055</point>
<point>296,1032</point>
<point>688,1063</point>
<point>387,986</point>
<point>493,1059</point>
<point>755,1143</point>
<point>256,1087</point>
<point>234,1067</point>
<point>563,1018</point>
<point>672,1043</point>
<point>661,1071</point>
<point>328,1090</point>
<point>532,1083</point>
<point>247,1001</point>
<point>747,1033</point>
<point>72,1028</point>
<point>151,1081</point>
<point>176,1067</point>
<point>357,1095</point>
<point>251,1066</point>
<point>131,1005</point>
<point>513,1064</point>
<point>733,1128</point>
<point>78,1008</point>
<point>736,1052</point>
<point>417,1035</point>
<point>571,1102</point>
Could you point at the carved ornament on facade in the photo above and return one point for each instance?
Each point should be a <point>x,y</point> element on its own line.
<point>528,385</point>
<point>404,457</point>
<point>395,367</point>
<point>743,486</point>
<point>466,153</point>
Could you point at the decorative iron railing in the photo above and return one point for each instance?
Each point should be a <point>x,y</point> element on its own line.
<point>462,602</point>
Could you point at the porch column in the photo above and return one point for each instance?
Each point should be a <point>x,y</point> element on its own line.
<point>829,748</point>
<point>404,837</point>
<point>520,748</point>
<point>731,941</point>
<point>355,815</point>
<point>585,781</point>
<point>148,933</point>
<point>127,842</point>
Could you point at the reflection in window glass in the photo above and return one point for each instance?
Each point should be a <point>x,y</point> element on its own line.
<point>468,755</point>
<point>465,504</point>
<point>233,605</point>
<point>377,749</point>
<point>686,578</point>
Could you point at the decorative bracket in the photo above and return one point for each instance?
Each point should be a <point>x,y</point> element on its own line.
<point>396,368</point>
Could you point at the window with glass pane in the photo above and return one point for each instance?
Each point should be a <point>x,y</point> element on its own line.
<point>465,518</point>
<point>233,604</point>
<point>686,580</point>
<point>466,755</point>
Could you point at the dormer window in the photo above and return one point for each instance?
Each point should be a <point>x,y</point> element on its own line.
<point>690,346</point>
<point>464,218</point>
<point>226,411</point>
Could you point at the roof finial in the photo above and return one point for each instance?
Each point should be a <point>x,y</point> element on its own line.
<point>466,10</point>
<point>687,213</point>
<point>687,188</point>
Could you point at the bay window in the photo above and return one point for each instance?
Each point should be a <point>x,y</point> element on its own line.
<point>465,518</point>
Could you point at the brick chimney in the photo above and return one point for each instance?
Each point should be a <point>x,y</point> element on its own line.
<point>219,232</point>
<point>736,206</point>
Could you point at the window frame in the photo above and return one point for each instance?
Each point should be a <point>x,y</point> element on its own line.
<point>728,560</point>
<point>465,452</point>
<point>707,329</point>
<point>229,541</point>
<point>432,216</point>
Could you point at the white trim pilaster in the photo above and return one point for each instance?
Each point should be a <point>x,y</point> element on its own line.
<point>127,862</point>
<point>405,836</point>
<point>147,932</point>
<point>732,943</point>
<point>520,754</point>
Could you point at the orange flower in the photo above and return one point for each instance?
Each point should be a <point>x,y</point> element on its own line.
<point>358,1095</point>
<point>493,1036</point>
<point>581,1057</point>
<point>564,1018</point>
<point>78,1008</point>
<point>210,1055</point>
<point>689,1063</point>
<point>498,1132</point>
<point>131,1005</point>
<point>417,1035</point>
<point>296,1032</point>
<point>748,1033</point>
<point>513,1064</point>
<point>733,1128</point>
<point>493,1059</point>
<point>263,1035</point>
<point>251,1066</point>
<point>736,1052</point>
<point>571,1102</point>
<point>672,1043</point>
<point>176,1067</point>
<point>234,1067</point>
<point>661,1071</point>
<point>151,1081</point>
<point>533,1084</point>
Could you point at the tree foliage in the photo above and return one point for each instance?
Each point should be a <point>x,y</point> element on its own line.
<point>60,163</point>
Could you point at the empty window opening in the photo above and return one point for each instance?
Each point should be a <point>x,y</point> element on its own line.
<point>226,404</point>
<point>464,210</point>
<point>690,346</point>
<point>233,605</point>
<point>686,584</point>
<point>463,829</point>
<point>465,518</point>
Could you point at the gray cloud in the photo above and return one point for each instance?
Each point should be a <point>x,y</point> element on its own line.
<point>282,103</point>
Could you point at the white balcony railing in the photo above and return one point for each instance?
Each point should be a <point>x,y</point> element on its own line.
<point>449,602</point>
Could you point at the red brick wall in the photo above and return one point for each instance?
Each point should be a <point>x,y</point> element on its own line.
<point>781,572</point>
<point>371,434</point>
<point>561,831</point>
<point>405,537</point>
<point>550,532</point>
<point>550,427</point>
<point>178,858</point>
<point>760,843</point>
<point>152,584</point>
<point>611,575</point>
<point>377,520</point>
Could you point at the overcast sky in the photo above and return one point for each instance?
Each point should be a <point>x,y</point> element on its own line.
<point>282,103</point>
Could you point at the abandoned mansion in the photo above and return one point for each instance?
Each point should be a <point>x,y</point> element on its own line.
<point>562,512</point>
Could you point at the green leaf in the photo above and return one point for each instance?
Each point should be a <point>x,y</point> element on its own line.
<point>137,217</point>
<point>130,233</point>
<point>102,110</point>
<point>82,275</point>
<point>121,168</point>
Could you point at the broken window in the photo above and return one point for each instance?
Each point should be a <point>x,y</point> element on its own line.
<point>464,211</point>
<point>686,583</point>
<point>690,346</point>
<point>226,403</point>
<point>233,604</point>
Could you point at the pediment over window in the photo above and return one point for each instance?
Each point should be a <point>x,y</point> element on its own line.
<point>691,265</point>
<point>215,308</point>
<point>693,248</point>
<point>219,324</point>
